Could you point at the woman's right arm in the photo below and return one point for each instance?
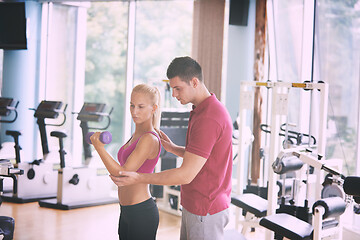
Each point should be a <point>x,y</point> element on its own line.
<point>147,146</point>
<point>111,165</point>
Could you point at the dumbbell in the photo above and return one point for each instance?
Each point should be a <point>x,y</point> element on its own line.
<point>105,137</point>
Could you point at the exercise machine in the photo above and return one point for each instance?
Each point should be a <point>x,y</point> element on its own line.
<point>7,224</point>
<point>326,212</point>
<point>82,186</point>
<point>254,207</point>
<point>8,114</point>
<point>92,113</point>
<point>39,180</point>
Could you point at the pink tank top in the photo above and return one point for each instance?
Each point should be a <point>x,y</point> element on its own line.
<point>149,164</point>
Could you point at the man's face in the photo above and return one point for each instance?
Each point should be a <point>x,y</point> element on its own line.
<point>181,90</point>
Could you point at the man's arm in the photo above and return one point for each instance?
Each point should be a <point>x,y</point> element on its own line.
<point>191,166</point>
<point>178,151</point>
<point>171,147</point>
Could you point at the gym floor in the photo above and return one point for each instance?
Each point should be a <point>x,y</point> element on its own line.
<point>99,222</point>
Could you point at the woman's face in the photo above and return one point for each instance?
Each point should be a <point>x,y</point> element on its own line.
<point>141,107</point>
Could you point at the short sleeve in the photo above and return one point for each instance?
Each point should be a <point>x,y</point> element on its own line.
<point>202,137</point>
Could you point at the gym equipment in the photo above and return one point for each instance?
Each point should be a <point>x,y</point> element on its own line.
<point>286,225</point>
<point>92,113</point>
<point>7,227</point>
<point>7,170</point>
<point>326,221</point>
<point>279,107</point>
<point>9,114</point>
<point>7,224</point>
<point>352,187</point>
<point>82,186</point>
<point>105,137</point>
<point>40,178</point>
<point>8,108</point>
<point>292,138</point>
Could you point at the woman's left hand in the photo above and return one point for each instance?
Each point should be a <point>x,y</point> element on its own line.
<point>95,140</point>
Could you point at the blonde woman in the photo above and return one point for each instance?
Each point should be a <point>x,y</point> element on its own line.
<point>139,215</point>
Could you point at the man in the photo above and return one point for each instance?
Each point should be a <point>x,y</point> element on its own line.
<point>205,174</point>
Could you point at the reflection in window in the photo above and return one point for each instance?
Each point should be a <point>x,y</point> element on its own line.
<point>61,61</point>
<point>1,67</point>
<point>106,51</point>
<point>159,37</point>
<point>163,32</point>
<point>288,19</point>
<point>288,27</point>
<point>339,53</point>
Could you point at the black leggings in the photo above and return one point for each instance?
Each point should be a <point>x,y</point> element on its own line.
<point>139,221</point>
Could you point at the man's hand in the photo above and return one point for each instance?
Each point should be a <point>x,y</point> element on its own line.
<point>165,141</point>
<point>171,147</point>
<point>126,178</point>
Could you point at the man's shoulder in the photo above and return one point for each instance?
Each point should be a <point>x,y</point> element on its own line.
<point>216,111</point>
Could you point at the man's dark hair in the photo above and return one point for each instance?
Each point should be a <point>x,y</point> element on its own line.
<point>185,68</point>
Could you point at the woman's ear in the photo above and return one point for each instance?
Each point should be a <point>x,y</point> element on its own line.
<point>155,108</point>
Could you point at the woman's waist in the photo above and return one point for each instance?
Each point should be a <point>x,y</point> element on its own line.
<point>146,205</point>
<point>134,194</point>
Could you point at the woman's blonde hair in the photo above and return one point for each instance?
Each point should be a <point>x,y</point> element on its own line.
<point>154,95</point>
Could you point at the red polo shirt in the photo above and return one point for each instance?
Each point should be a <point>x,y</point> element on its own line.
<point>209,135</point>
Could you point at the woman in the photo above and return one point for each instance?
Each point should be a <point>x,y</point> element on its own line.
<point>139,216</point>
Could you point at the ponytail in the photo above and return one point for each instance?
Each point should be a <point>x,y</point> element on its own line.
<point>157,113</point>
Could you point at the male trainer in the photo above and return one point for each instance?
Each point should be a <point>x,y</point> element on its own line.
<point>205,174</point>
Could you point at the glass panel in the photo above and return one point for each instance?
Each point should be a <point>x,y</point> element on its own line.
<point>338,29</point>
<point>163,32</point>
<point>288,17</point>
<point>1,67</point>
<point>106,50</point>
<point>61,62</point>
<point>288,27</point>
